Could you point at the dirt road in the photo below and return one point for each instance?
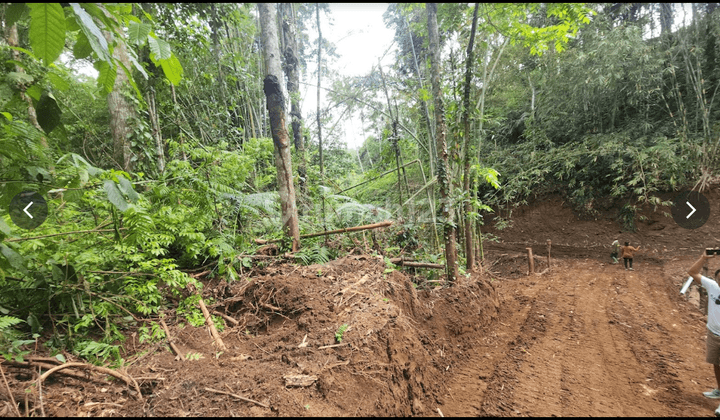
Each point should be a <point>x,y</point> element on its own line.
<point>589,339</point>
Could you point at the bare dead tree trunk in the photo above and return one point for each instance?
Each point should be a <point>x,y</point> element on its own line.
<point>443,170</point>
<point>293,86</point>
<point>469,254</point>
<point>276,109</point>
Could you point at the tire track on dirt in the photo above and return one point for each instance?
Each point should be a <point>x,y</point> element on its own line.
<point>585,339</point>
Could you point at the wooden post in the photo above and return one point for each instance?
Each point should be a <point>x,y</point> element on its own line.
<point>531,263</point>
<point>549,244</point>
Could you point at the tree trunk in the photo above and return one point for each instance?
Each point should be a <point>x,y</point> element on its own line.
<point>320,148</point>
<point>443,173</point>
<point>469,254</point>
<point>157,134</point>
<point>121,110</point>
<point>293,86</point>
<point>394,140</point>
<point>276,109</point>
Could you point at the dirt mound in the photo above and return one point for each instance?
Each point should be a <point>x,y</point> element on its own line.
<point>288,354</point>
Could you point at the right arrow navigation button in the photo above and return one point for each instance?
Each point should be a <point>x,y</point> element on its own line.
<point>690,209</point>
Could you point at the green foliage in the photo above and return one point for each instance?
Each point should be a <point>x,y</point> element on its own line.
<point>315,253</point>
<point>98,353</point>
<point>340,331</point>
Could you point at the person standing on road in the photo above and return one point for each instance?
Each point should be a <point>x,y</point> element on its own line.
<point>713,323</point>
<point>615,249</point>
<point>627,254</point>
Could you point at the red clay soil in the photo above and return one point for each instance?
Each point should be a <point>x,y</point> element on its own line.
<point>582,338</point>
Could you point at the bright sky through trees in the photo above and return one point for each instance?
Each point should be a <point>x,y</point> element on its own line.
<point>361,38</point>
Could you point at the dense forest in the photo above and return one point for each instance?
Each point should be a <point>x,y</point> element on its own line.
<point>190,149</point>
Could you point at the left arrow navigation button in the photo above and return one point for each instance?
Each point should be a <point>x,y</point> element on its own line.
<point>28,209</point>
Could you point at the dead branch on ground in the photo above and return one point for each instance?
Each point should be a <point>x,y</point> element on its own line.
<point>126,378</point>
<point>171,341</point>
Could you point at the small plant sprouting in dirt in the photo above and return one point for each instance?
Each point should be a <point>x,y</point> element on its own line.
<point>218,354</point>
<point>339,333</point>
<point>194,356</point>
<point>386,300</point>
<point>307,406</point>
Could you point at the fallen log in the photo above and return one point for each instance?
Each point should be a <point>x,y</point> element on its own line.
<point>422,265</point>
<point>331,232</point>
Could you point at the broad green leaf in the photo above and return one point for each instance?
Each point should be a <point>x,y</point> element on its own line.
<point>138,66</point>
<point>7,115</point>
<point>92,33</point>
<point>173,70</point>
<point>58,82</point>
<point>106,76</point>
<point>159,49</point>
<point>138,33</point>
<point>47,30</point>
<point>48,112</point>
<point>127,188</point>
<point>23,50</point>
<point>132,81</point>
<point>114,195</point>
<point>4,228</point>
<point>34,92</point>
<point>13,13</point>
<point>60,358</point>
<point>34,323</point>
<point>82,47</point>
<point>15,259</point>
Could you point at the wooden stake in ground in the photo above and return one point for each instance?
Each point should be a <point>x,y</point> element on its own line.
<point>531,262</point>
<point>218,341</point>
<point>549,244</point>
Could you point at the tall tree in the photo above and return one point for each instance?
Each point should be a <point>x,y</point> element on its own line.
<point>469,254</point>
<point>276,109</point>
<point>443,172</point>
<point>319,124</point>
<point>120,108</point>
<point>290,54</point>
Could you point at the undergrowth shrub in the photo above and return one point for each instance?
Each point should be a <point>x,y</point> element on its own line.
<point>115,244</point>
